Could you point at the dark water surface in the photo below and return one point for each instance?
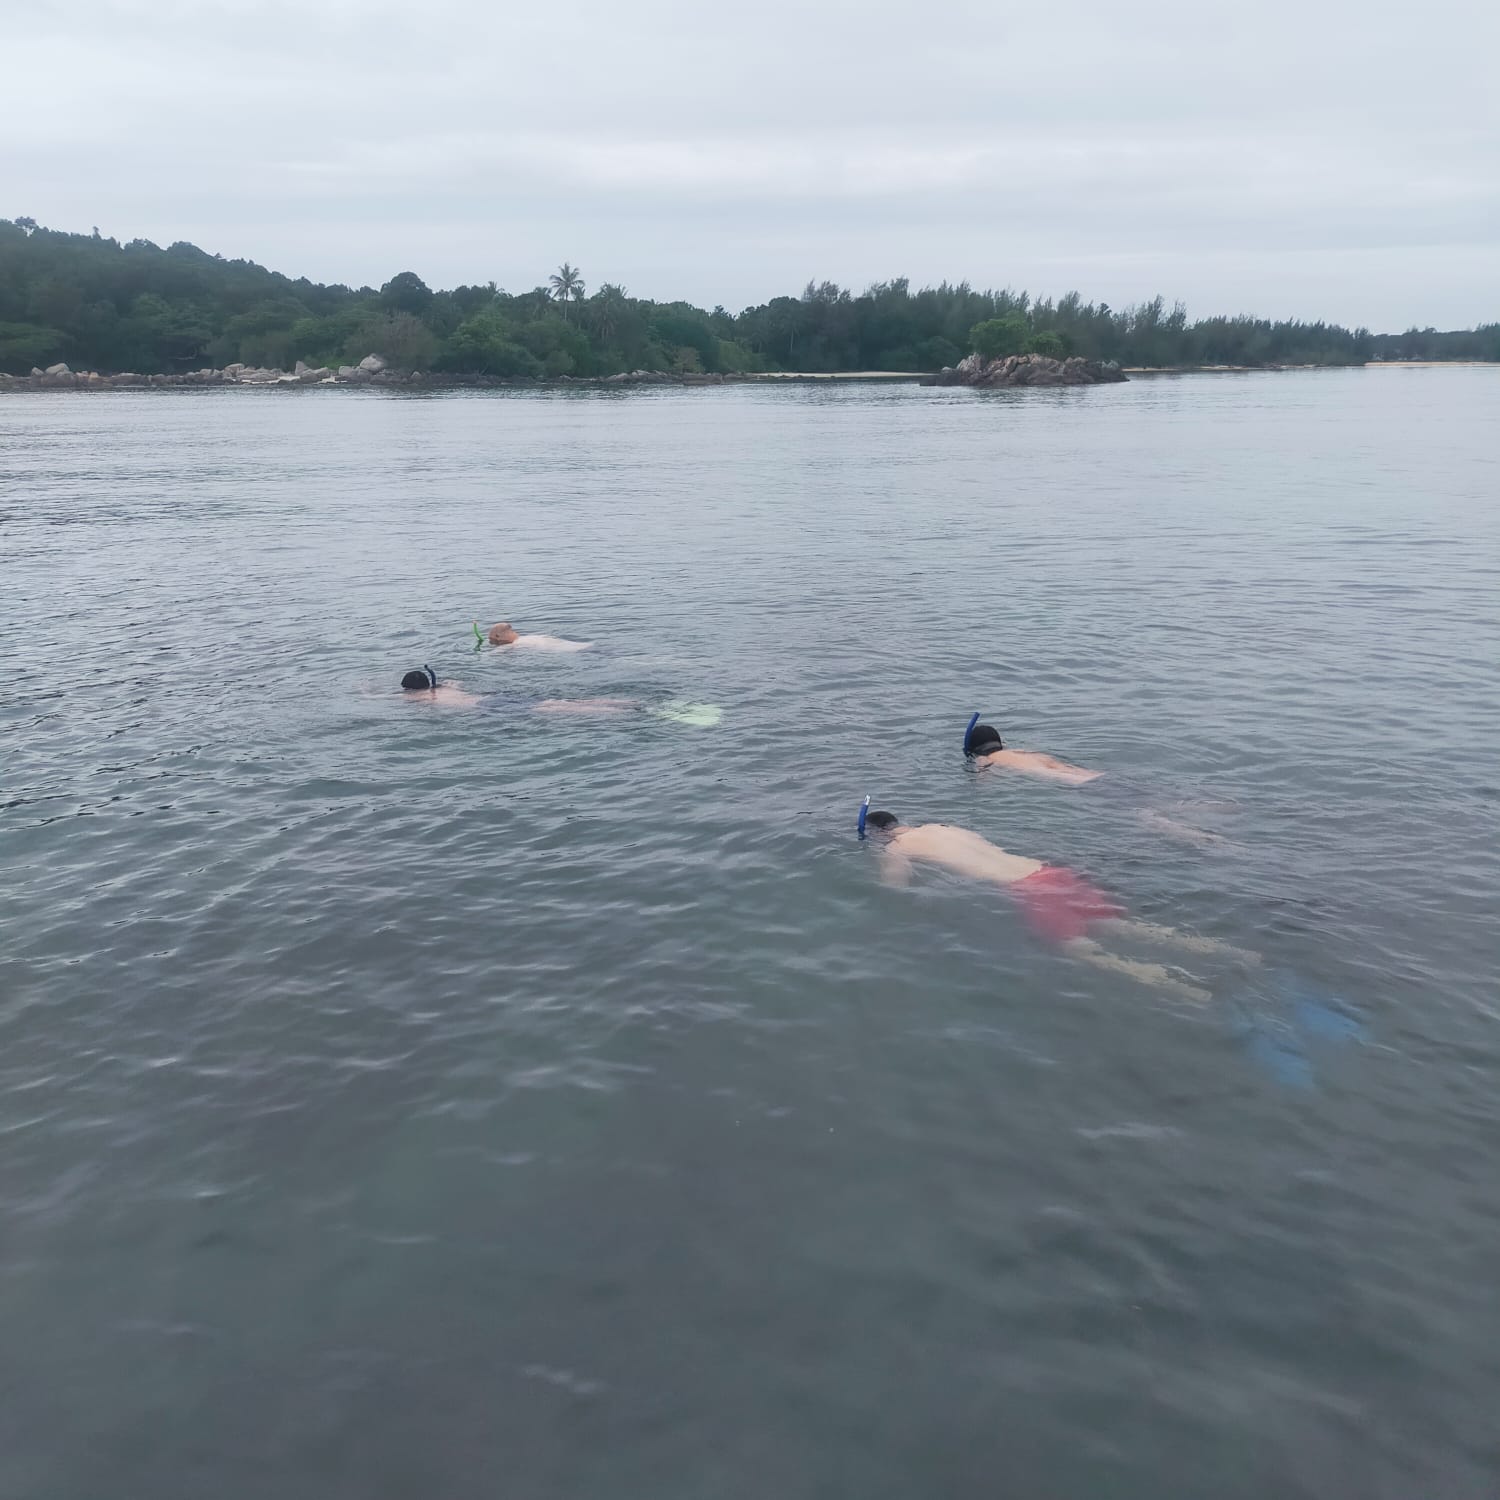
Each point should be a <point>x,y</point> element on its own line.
<point>399,1103</point>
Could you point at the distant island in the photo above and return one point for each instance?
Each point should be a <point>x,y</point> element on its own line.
<point>81,309</point>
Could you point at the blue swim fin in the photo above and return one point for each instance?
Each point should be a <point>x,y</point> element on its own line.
<point>1286,1065</point>
<point>1317,1012</point>
<point>1321,1021</point>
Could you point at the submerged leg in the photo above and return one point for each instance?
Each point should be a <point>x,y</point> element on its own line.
<point>1183,832</point>
<point>1155,975</point>
<point>585,705</point>
<point>1170,937</point>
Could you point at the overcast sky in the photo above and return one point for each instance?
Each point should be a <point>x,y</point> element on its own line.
<point>1323,158</point>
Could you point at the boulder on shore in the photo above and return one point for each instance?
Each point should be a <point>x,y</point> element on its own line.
<point>1026,369</point>
<point>373,363</point>
<point>58,369</point>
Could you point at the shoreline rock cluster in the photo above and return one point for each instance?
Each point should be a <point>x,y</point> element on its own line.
<point>372,370</point>
<point>1026,369</point>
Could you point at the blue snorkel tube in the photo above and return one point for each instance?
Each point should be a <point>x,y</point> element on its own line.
<point>864,812</point>
<point>969,733</point>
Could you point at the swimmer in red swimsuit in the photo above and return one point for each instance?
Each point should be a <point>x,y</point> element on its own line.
<point>1058,904</point>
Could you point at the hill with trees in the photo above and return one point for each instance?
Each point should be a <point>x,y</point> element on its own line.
<point>98,304</point>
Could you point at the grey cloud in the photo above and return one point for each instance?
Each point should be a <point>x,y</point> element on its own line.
<point>1315,159</point>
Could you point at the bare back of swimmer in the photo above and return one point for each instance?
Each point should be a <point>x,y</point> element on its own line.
<point>989,752</point>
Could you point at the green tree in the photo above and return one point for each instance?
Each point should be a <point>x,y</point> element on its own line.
<point>1049,343</point>
<point>997,337</point>
<point>111,306</point>
<point>485,345</point>
<point>567,285</point>
<point>938,353</point>
<point>605,310</point>
<point>677,328</point>
<point>23,345</point>
<point>406,292</point>
<point>404,341</point>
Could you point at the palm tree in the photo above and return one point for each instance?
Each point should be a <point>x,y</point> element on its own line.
<point>567,285</point>
<point>605,308</point>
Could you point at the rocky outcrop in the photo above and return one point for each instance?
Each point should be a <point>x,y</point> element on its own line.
<point>370,371</point>
<point>1026,369</point>
<point>642,377</point>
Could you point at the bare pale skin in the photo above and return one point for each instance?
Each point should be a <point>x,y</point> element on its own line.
<point>449,695</point>
<point>444,695</point>
<point>503,633</point>
<point>1037,763</point>
<point>969,854</point>
<point>957,849</point>
<point>585,705</point>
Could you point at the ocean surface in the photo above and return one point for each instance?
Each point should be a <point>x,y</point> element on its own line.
<point>408,1102</point>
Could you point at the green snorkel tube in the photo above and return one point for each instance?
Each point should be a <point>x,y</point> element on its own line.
<point>478,638</point>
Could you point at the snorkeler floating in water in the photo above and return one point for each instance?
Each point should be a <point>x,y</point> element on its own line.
<point>423,686</point>
<point>1058,904</point>
<point>983,745</point>
<point>504,634</point>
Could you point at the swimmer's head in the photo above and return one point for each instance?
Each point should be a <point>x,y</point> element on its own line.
<point>881,822</point>
<point>502,635</point>
<point>984,739</point>
<point>421,680</point>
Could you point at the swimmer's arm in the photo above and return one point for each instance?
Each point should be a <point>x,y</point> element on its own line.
<point>895,868</point>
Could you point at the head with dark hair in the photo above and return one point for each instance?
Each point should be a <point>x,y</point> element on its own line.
<point>984,739</point>
<point>882,821</point>
<point>421,680</point>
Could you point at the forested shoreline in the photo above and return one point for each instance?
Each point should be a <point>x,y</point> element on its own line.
<point>97,304</point>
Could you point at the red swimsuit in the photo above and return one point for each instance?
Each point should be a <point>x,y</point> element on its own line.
<point>1058,903</point>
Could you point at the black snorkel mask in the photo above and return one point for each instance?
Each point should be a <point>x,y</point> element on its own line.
<point>991,742</point>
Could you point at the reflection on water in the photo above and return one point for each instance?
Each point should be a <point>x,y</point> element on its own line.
<point>397,1102</point>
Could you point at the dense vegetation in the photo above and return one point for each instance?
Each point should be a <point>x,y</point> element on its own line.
<point>105,306</point>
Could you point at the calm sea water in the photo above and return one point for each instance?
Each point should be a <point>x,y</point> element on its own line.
<point>398,1103</point>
